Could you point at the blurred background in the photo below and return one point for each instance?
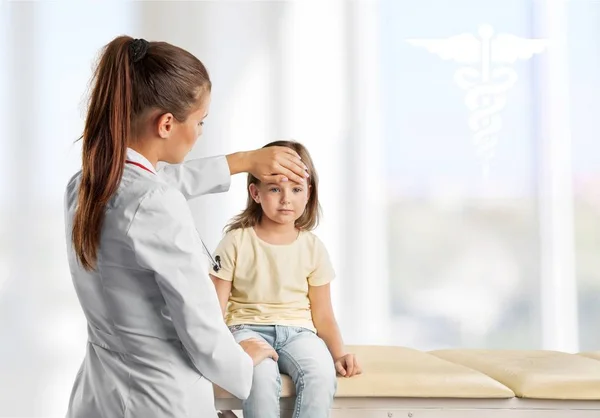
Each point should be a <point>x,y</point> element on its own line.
<point>456,142</point>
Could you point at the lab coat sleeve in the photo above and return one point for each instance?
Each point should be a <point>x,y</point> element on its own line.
<point>165,241</point>
<point>198,177</point>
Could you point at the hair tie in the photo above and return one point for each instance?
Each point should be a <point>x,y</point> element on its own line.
<point>139,48</point>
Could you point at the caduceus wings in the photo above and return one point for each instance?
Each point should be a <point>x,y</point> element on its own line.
<point>510,48</point>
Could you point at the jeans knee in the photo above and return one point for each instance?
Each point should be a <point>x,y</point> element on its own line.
<point>263,401</point>
<point>266,381</point>
<point>320,381</point>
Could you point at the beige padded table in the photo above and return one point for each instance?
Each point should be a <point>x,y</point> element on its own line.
<point>399,381</point>
<point>591,354</point>
<point>402,382</point>
<point>545,382</point>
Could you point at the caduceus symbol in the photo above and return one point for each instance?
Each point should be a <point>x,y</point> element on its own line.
<point>487,84</point>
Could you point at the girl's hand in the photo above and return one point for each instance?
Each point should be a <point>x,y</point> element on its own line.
<point>347,365</point>
<point>276,164</point>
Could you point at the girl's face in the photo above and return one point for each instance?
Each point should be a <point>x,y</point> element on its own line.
<point>282,203</point>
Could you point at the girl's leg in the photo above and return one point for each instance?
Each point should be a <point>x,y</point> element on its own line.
<point>263,401</point>
<point>306,359</point>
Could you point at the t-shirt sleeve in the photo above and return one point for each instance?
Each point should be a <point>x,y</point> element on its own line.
<point>323,272</point>
<point>227,253</point>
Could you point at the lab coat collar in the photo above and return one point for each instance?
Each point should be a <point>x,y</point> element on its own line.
<point>136,157</point>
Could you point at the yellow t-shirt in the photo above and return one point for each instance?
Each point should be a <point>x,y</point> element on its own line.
<point>270,282</point>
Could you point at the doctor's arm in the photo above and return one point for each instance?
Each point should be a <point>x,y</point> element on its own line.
<point>165,241</point>
<point>202,176</point>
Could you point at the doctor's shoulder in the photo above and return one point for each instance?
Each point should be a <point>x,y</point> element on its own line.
<point>72,188</point>
<point>130,190</point>
<point>157,199</point>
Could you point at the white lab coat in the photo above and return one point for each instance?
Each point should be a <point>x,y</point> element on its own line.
<point>156,336</point>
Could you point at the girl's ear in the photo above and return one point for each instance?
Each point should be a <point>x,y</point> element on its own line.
<point>254,192</point>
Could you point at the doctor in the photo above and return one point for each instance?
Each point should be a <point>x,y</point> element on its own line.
<point>156,338</point>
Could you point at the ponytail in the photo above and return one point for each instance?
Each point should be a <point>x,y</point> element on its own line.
<point>105,135</point>
<point>132,77</point>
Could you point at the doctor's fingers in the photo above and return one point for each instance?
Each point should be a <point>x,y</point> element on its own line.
<point>292,167</point>
<point>258,350</point>
<point>253,342</point>
<point>227,414</point>
<point>269,352</point>
<point>282,174</point>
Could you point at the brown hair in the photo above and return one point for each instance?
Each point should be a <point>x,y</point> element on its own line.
<point>252,215</point>
<point>132,76</point>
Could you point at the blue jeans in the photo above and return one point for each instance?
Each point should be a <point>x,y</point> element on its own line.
<point>304,357</point>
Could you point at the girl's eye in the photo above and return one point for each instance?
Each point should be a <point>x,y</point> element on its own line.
<point>297,190</point>
<point>201,123</point>
<point>274,189</point>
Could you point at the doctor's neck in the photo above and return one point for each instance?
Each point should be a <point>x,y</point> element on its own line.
<point>148,148</point>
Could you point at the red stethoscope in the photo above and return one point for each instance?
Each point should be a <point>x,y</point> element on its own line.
<point>216,262</point>
<point>142,166</point>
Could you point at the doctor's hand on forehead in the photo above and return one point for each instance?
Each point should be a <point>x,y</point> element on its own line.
<point>269,165</point>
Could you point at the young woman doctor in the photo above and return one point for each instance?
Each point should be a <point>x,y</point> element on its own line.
<point>156,338</point>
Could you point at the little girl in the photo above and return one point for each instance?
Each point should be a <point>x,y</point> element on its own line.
<point>273,285</point>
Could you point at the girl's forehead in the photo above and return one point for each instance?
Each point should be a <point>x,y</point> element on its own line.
<point>287,183</point>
